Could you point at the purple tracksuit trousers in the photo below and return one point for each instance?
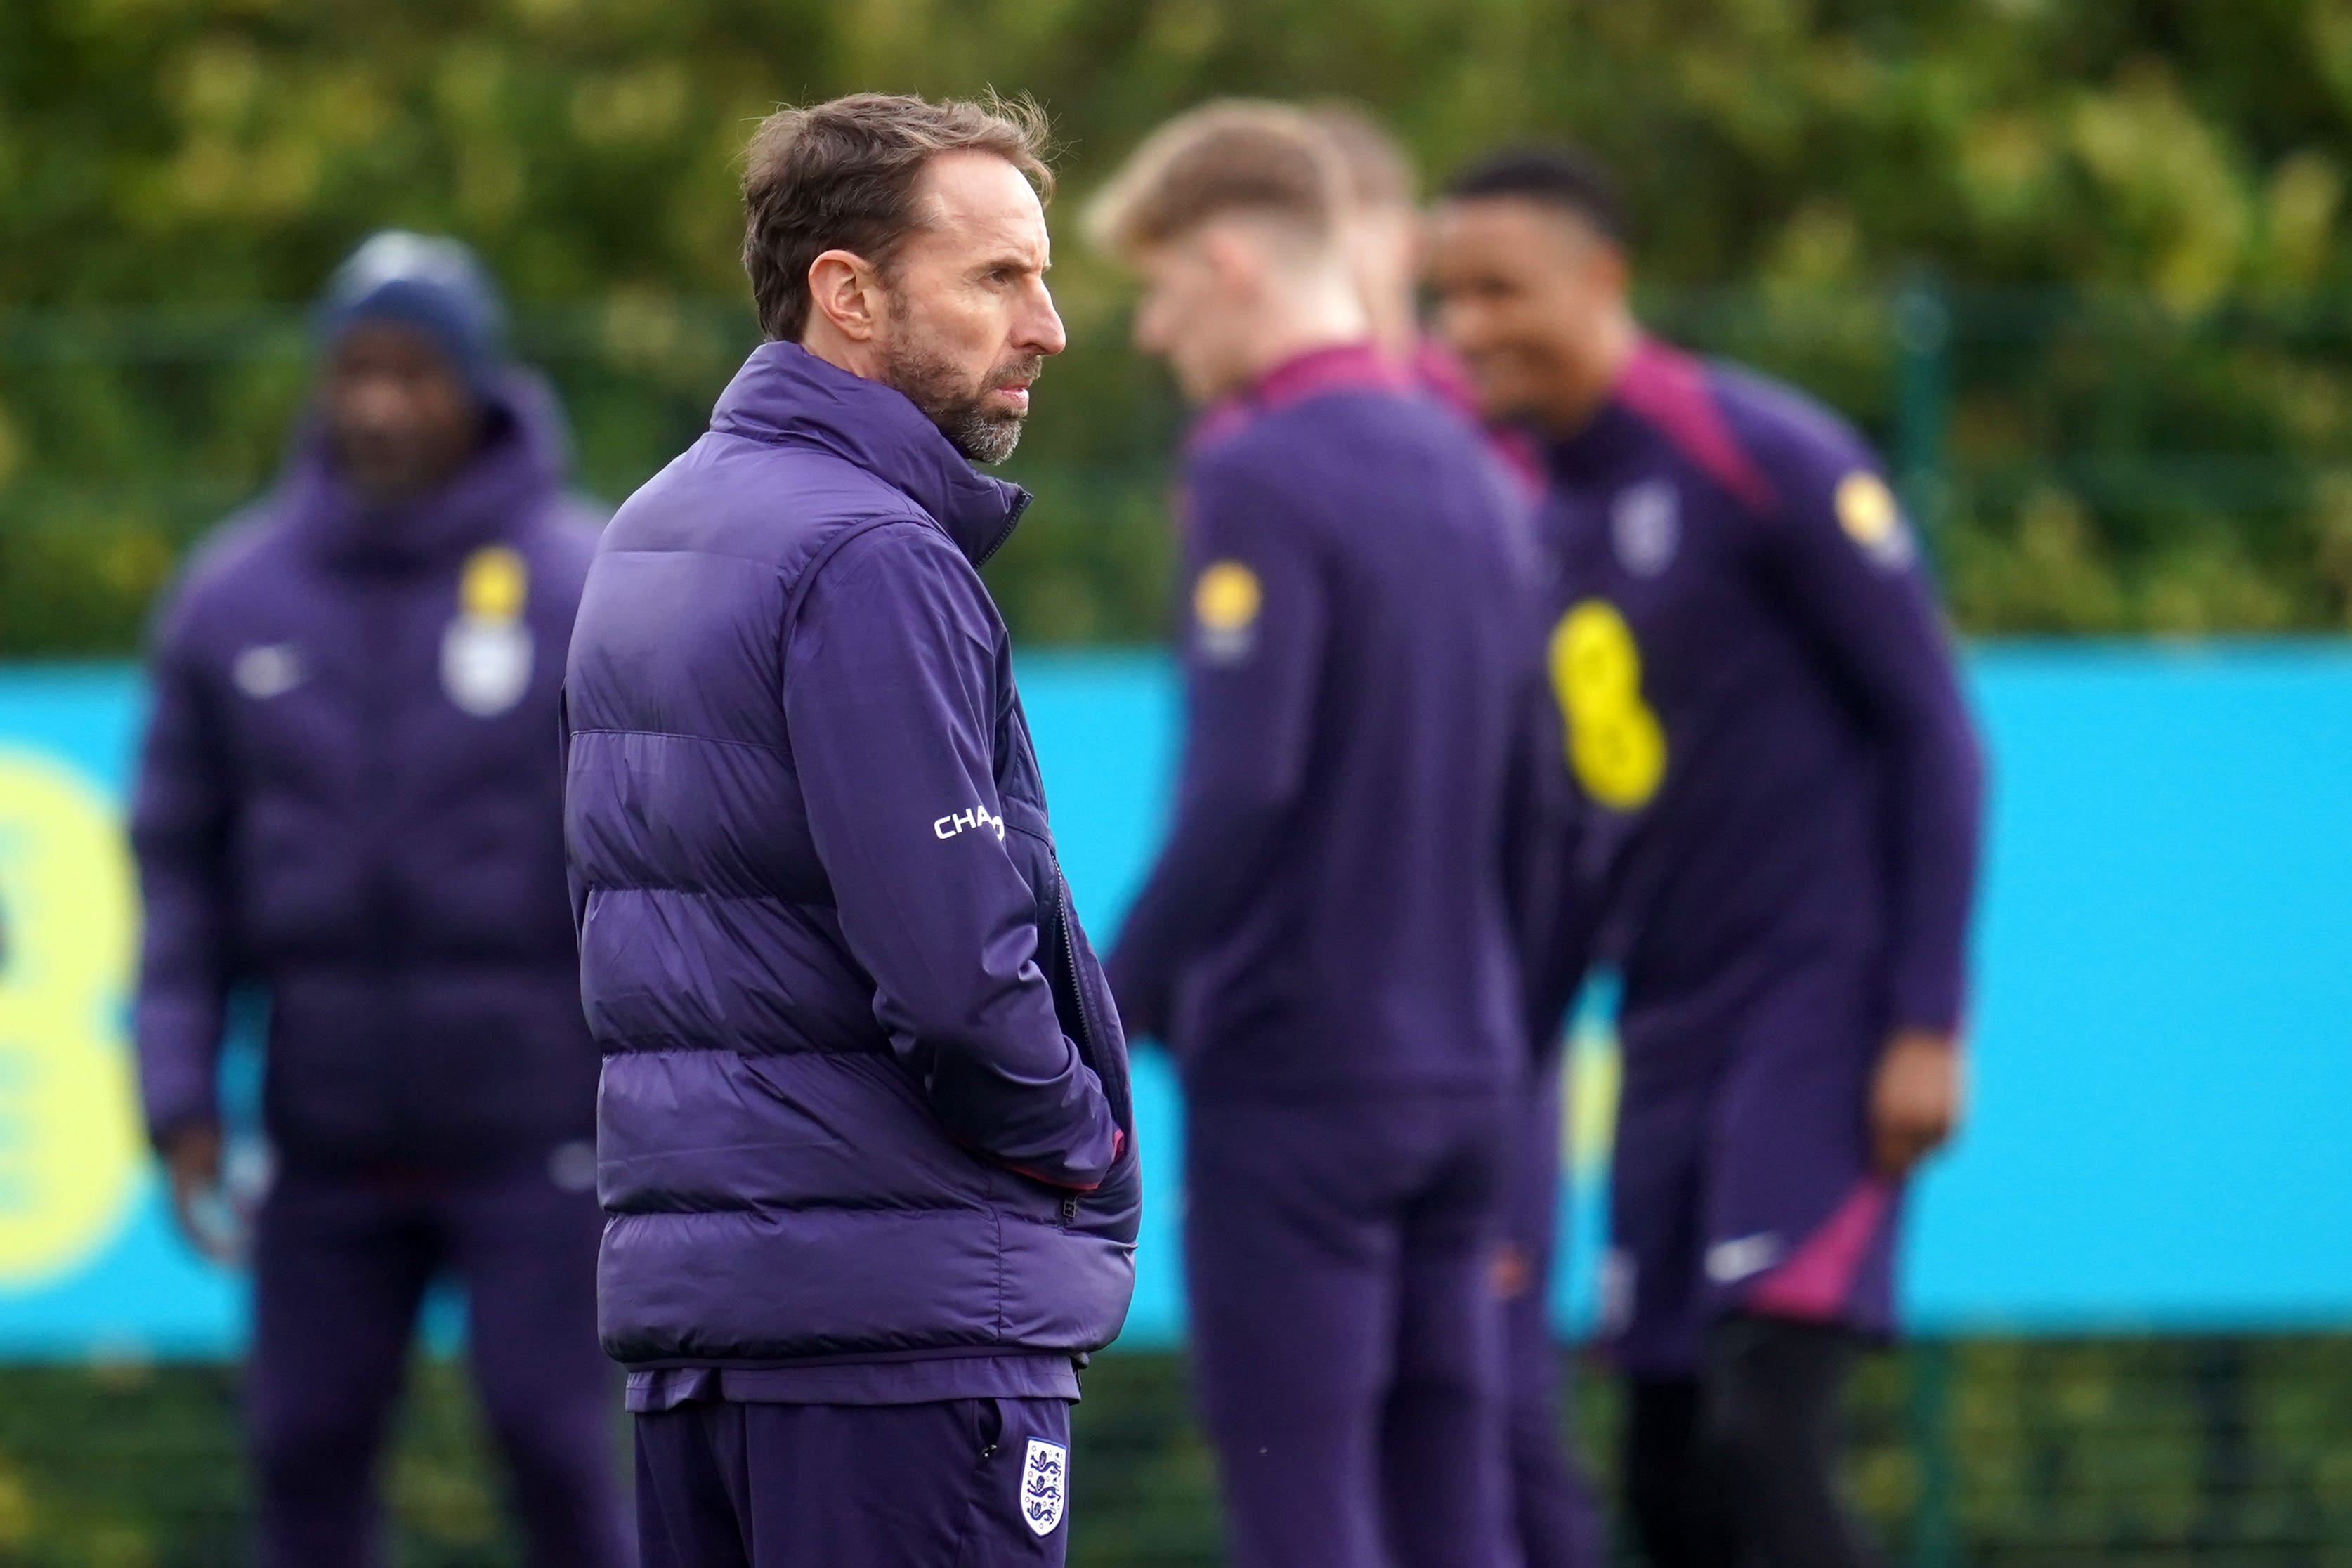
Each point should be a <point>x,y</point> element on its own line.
<point>1345,1335</point>
<point>341,1268</point>
<point>1552,1507</point>
<point>951,1483</point>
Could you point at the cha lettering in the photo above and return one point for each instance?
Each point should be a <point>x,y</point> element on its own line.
<point>964,821</point>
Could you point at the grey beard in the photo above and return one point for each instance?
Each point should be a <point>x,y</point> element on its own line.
<point>981,437</point>
<point>936,388</point>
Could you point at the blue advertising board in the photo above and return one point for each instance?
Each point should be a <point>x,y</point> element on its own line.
<point>2161,1041</point>
<point>90,1264</point>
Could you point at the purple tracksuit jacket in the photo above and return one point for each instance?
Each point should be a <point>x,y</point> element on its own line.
<point>1780,791</point>
<point>350,797</point>
<point>1332,912</point>
<point>1766,727</point>
<point>1329,936</point>
<point>864,1128</point>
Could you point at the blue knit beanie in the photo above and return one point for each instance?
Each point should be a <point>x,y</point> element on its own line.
<point>433,285</point>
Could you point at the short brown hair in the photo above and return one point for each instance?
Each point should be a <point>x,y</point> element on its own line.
<point>1235,155</point>
<point>841,176</point>
<point>1379,171</point>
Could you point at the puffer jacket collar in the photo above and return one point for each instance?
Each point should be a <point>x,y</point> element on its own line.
<point>785,394</point>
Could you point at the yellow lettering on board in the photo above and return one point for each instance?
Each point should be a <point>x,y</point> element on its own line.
<point>71,1149</point>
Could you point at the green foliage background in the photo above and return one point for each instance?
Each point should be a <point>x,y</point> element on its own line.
<point>2137,422</point>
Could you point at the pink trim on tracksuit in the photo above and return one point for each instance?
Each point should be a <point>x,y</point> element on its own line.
<point>1668,389</point>
<point>1814,1281</point>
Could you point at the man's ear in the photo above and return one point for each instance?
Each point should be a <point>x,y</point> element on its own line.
<point>1237,262</point>
<point>1609,271</point>
<point>845,290</point>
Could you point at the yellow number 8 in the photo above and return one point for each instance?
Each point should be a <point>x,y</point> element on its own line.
<point>69,1146</point>
<point>1615,745</point>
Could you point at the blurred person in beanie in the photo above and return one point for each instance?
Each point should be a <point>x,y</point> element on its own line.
<point>1779,788</point>
<point>1552,1505</point>
<point>1326,943</point>
<point>349,800</point>
<point>865,1135</point>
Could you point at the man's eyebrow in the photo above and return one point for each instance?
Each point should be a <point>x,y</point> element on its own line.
<point>1005,258</point>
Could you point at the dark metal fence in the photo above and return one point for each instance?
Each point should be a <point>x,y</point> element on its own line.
<point>2198,1452</point>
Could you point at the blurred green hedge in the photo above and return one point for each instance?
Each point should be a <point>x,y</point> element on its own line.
<point>2087,465</point>
<point>2136,419</point>
<point>2133,1453</point>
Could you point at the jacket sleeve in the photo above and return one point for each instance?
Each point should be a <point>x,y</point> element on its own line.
<point>1253,659</point>
<point>1554,910</point>
<point>889,698</point>
<point>180,817</point>
<point>1839,557</point>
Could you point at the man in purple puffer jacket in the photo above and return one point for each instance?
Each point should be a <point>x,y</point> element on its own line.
<point>349,801</point>
<point>864,1130</point>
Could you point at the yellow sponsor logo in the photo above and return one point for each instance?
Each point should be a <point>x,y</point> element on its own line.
<point>1866,510</point>
<point>1226,598</point>
<point>1616,747</point>
<point>493,585</point>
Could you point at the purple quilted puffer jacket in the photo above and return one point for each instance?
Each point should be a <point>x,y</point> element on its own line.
<point>864,1095</point>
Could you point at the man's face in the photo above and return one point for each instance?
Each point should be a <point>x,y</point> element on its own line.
<point>1526,293</point>
<point>398,413</point>
<point>968,322</point>
<point>1195,311</point>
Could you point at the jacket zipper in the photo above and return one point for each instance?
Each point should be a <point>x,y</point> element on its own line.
<point>1021,499</point>
<point>382,622</point>
<point>1070,957</point>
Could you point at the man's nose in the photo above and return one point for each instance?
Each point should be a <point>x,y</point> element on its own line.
<point>375,402</point>
<point>1042,331</point>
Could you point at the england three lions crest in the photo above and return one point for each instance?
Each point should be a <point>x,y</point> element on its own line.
<point>485,654</point>
<point>1045,1484</point>
<point>1645,523</point>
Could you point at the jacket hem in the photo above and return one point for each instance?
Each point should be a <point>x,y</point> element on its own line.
<point>902,1381</point>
